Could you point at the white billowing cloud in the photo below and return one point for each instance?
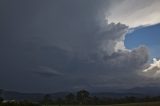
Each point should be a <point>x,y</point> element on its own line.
<point>112,39</point>
<point>154,69</point>
<point>135,13</point>
<point>119,46</point>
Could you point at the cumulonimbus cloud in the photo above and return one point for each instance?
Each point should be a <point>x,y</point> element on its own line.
<point>69,37</point>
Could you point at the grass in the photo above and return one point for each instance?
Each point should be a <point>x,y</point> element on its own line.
<point>129,104</point>
<point>138,104</point>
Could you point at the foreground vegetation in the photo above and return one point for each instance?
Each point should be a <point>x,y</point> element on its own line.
<point>138,104</point>
<point>128,104</point>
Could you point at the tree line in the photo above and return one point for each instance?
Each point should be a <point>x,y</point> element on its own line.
<point>82,97</point>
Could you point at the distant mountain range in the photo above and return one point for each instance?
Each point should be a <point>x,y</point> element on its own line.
<point>137,92</point>
<point>151,90</point>
<point>12,95</point>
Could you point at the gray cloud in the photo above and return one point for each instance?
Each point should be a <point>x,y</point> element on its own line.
<point>71,41</point>
<point>46,71</point>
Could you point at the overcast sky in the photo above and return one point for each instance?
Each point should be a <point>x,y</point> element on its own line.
<point>63,45</point>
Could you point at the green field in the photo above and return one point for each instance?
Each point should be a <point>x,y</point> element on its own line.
<point>138,104</point>
<point>129,104</point>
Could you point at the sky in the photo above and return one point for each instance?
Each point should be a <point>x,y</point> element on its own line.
<point>148,36</point>
<point>67,45</point>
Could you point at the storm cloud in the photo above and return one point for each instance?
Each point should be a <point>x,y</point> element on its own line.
<point>51,44</point>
